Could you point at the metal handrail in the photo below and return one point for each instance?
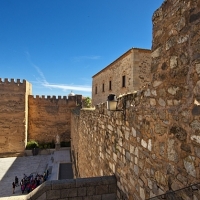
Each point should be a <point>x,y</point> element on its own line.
<point>180,194</point>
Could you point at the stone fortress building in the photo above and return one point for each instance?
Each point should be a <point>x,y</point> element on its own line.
<point>154,151</point>
<point>25,117</point>
<point>155,148</point>
<point>126,74</point>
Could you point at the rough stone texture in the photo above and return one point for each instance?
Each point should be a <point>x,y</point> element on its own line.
<point>168,116</point>
<point>50,116</point>
<point>24,117</point>
<point>14,115</point>
<point>66,189</point>
<point>134,65</point>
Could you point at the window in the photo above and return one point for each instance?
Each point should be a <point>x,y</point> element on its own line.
<point>124,81</point>
<point>110,85</point>
<point>103,87</point>
<point>96,90</point>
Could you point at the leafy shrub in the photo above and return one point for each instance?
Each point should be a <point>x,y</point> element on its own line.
<point>31,145</point>
<point>65,144</point>
<point>47,145</point>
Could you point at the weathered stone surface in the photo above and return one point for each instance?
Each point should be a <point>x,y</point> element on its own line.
<point>196,110</point>
<point>173,62</point>
<point>156,53</point>
<point>142,193</point>
<point>162,148</point>
<point>133,132</point>
<point>154,92</point>
<point>173,90</point>
<point>195,138</point>
<point>172,154</point>
<point>161,102</point>
<point>183,39</point>
<point>189,165</point>
<point>159,129</point>
<point>179,132</point>
<point>170,43</point>
<point>198,68</point>
<point>152,102</point>
<point>160,178</point>
<point>186,147</point>
<point>181,24</point>
<point>197,151</point>
<point>157,83</point>
<point>149,144</point>
<point>147,93</point>
<point>194,17</point>
<point>136,170</point>
<point>182,179</point>
<point>170,103</point>
<point>195,125</point>
<point>144,143</point>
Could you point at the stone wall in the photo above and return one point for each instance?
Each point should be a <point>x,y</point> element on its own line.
<point>13,117</point>
<point>134,65</point>
<point>103,188</point>
<point>51,116</point>
<point>154,146</point>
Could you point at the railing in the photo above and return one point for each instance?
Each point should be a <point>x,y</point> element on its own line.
<point>190,192</point>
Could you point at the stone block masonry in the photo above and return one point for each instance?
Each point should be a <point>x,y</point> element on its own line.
<point>157,147</point>
<point>50,116</point>
<point>13,115</point>
<point>126,74</point>
<point>99,188</point>
<point>23,117</point>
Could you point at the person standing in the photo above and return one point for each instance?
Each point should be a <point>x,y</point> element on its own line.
<point>16,181</point>
<point>13,186</point>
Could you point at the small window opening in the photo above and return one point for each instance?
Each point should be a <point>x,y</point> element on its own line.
<point>103,87</point>
<point>110,85</point>
<point>123,81</point>
<point>96,90</point>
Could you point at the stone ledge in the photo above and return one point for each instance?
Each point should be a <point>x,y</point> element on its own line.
<point>76,188</point>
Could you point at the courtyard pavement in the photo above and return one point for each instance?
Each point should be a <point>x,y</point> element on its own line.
<point>18,166</point>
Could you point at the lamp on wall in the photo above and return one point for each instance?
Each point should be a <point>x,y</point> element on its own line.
<point>112,104</point>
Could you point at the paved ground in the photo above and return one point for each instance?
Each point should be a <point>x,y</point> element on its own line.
<point>18,166</point>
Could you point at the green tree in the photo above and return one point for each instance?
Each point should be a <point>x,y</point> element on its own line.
<point>87,102</point>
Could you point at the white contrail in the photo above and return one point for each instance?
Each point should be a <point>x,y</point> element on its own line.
<point>42,81</point>
<point>68,87</point>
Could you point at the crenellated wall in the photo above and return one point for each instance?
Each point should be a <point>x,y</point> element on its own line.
<point>154,146</point>
<point>13,114</point>
<point>24,117</point>
<point>50,116</point>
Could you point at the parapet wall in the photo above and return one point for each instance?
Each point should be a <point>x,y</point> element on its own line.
<point>12,85</point>
<point>103,188</point>
<point>154,146</point>
<point>50,116</point>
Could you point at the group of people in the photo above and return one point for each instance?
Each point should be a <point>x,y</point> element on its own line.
<point>29,183</point>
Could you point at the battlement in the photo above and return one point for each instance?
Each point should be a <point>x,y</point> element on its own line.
<point>54,97</point>
<point>65,99</point>
<point>12,81</point>
<point>47,97</point>
<point>15,86</point>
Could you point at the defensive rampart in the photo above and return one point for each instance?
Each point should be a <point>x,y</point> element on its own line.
<point>154,146</point>
<point>14,114</point>
<point>51,116</point>
<point>24,116</point>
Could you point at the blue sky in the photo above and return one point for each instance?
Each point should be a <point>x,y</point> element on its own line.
<point>58,45</point>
